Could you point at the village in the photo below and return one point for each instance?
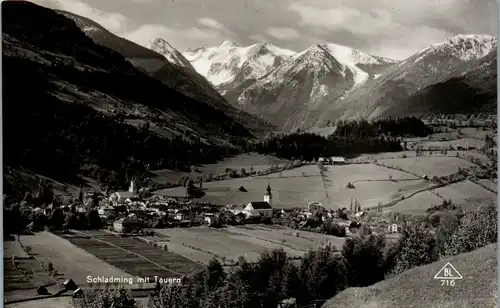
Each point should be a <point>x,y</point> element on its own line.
<point>137,211</point>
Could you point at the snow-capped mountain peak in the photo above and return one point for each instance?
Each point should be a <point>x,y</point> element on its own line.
<point>227,61</point>
<point>465,46</point>
<point>351,56</point>
<point>227,44</point>
<point>162,47</point>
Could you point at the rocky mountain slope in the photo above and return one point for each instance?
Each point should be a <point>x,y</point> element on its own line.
<point>435,65</point>
<point>165,63</point>
<point>282,86</point>
<point>69,102</point>
<point>329,81</point>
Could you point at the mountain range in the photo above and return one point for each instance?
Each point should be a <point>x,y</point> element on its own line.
<point>262,84</point>
<point>165,63</point>
<point>327,82</point>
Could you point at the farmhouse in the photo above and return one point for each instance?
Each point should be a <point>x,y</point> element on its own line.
<point>315,206</point>
<point>337,160</point>
<point>183,215</point>
<point>236,209</point>
<point>126,225</point>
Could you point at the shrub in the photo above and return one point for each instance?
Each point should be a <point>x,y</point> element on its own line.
<point>476,229</point>
<point>107,297</point>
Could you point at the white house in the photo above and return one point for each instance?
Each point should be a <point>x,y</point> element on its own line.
<point>208,220</point>
<point>360,214</point>
<point>337,160</point>
<point>236,208</point>
<point>394,228</point>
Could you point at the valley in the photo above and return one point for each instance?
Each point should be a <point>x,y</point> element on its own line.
<point>241,173</point>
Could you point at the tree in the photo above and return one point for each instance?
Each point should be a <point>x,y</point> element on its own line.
<point>15,220</point>
<point>418,247</point>
<point>71,221</point>
<point>57,219</point>
<point>169,296</point>
<point>364,254</point>
<point>93,219</point>
<point>80,196</point>
<point>214,275</point>
<point>322,274</point>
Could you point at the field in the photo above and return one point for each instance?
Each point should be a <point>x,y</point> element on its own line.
<point>417,204</point>
<point>252,160</point>
<point>28,275</point>
<point>467,193</point>
<point>429,165</point>
<point>248,241</point>
<point>12,247</point>
<point>481,158</point>
<point>489,184</point>
<point>297,187</point>
<point>134,256</point>
<point>463,142</point>
<point>57,302</point>
<point>417,288</point>
<point>69,260</point>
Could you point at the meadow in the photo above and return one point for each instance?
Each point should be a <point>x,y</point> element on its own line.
<point>299,186</point>
<point>467,193</point>
<point>248,241</point>
<point>462,142</point>
<point>254,161</point>
<point>418,288</point>
<point>428,165</point>
<point>69,260</point>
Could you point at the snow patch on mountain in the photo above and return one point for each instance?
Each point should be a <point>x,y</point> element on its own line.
<point>465,47</point>
<point>223,63</point>
<point>173,56</point>
<point>349,58</point>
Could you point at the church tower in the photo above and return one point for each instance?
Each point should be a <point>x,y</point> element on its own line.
<point>132,188</point>
<point>268,196</point>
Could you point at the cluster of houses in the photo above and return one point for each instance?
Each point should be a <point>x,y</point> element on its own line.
<point>125,210</point>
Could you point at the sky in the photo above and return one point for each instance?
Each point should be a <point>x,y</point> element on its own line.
<point>391,28</point>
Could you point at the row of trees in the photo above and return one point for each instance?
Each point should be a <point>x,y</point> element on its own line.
<point>363,260</point>
<point>308,146</point>
<point>398,126</point>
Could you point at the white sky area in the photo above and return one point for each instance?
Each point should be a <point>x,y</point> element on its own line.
<point>390,28</point>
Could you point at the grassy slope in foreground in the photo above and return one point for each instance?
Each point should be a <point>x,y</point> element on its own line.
<point>418,288</point>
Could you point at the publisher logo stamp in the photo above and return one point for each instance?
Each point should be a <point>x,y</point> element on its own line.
<point>447,275</point>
